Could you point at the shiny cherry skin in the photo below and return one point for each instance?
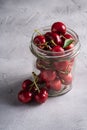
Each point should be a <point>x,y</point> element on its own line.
<point>68,36</point>
<point>59,28</point>
<point>26,84</point>
<point>55,85</point>
<point>58,49</point>
<point>42,96</point>
<point>24,96</point>
<point>53,36</point>
<point>66,79</point>
<point>39,40</point>
<point>47,75</point>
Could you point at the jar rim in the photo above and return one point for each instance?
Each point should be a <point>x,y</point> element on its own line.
<point>50,54</point>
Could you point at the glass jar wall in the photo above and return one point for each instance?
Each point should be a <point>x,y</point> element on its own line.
<point>55,70</point>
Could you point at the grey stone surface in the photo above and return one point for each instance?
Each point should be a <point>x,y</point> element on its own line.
<point>18,19</point>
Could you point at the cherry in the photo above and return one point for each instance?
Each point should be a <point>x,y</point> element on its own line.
<point>58,27</point>
<point>24,96</point>
<point>53,36</point>
<point>58,49</point>
<point>48,36</point>
<point>55,85</point>
<point>66,78</point>
<point>39,40</point>
<point>26,84</point>
<point>42,96</point>
<point>69,47</point>
<point>68,36</point>
<point>47,75</point>
<point>64,66</point>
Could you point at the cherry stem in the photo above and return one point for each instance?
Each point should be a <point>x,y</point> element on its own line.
<point>46,44</point>
<point>35,76</point>
<point>63,37</point>
<point>37,32</point>
<point>53,43</point>
<point>31,86</point>
<point>36,79</point>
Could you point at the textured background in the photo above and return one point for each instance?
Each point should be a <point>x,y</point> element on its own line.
<point>18,19</point>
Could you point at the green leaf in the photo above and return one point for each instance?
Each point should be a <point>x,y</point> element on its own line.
<point>67,42</point>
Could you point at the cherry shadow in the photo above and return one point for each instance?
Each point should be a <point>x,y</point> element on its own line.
<point>9,92</point>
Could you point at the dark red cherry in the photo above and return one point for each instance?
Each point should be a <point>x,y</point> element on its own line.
<point>39,40</point>
<point>53,36</point>
<point>58,27</point>
<point>26,84</point>
<point>58,49</point>
<point>42,96</point>
<point>48,36</point>
<point>24,96</point>
<point>68,36</point>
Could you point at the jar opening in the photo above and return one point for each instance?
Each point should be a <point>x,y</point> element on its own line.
<point>70,53</point>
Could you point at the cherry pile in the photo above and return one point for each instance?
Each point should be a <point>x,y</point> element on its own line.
<point>54,74</point>
<point>56,40</point>
<point>31,91</point>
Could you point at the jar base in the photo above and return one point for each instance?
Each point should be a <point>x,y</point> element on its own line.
<point>53,93</point>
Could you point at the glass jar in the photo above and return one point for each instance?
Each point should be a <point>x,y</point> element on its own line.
<point>55,68</point>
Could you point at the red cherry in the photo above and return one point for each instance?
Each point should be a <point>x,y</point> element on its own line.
<point>58,49</point>
<point>69,47</point>
<point>68,36</point>
<point>59,28</point>
<point>53,36</point>
<point>24,96</point>
<point>55,85</point>
<point>39,40</point>
<point>48,36</point>
<point>66,78</point>
<point>42,96</point>
<point>34,90</point>
<point>63,66</point>
<point>47,75</point>
<point>26,84</point>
